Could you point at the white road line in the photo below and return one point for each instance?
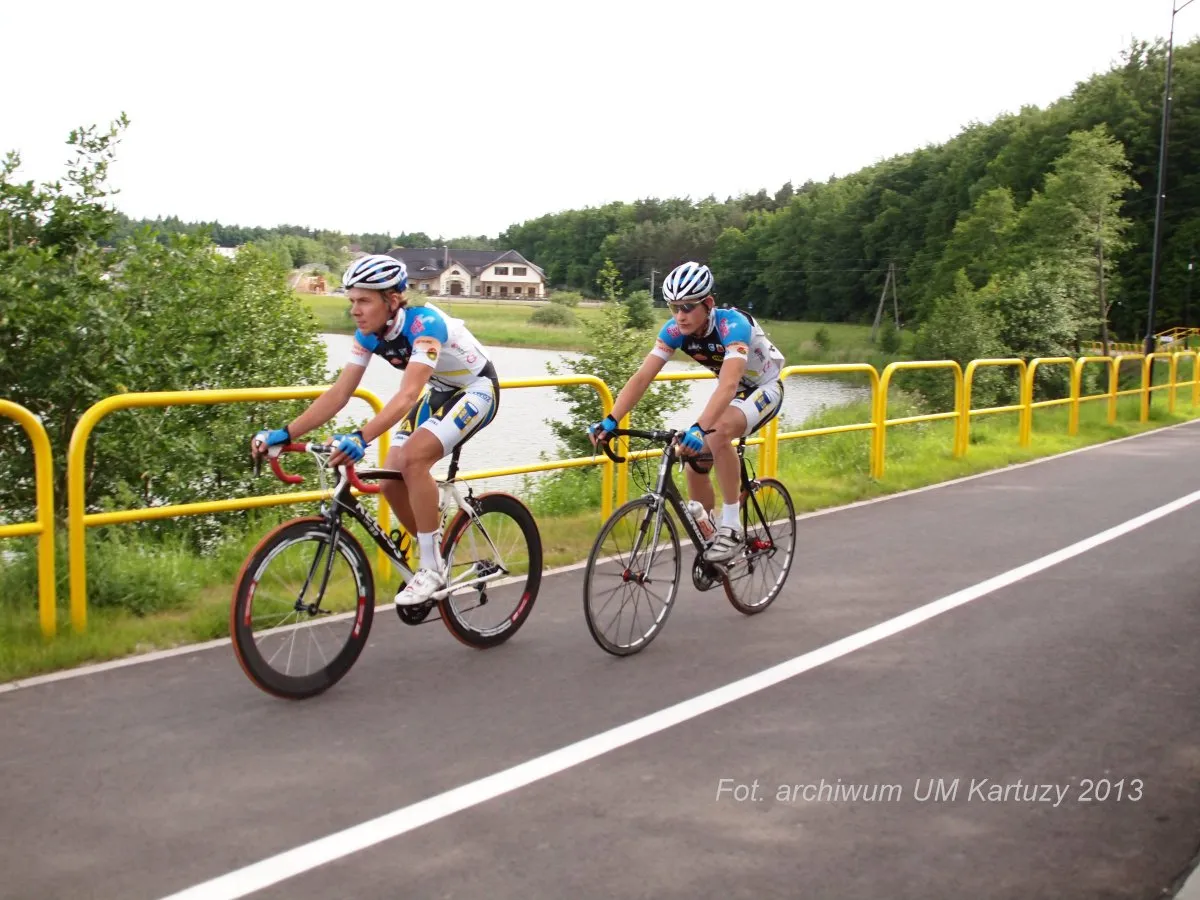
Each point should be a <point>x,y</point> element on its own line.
<point>95,668</point>
<point>290,863</point>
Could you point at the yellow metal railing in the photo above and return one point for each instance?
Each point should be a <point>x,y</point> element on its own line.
<point>882,421</point>
<point>78,519</point>
<point>964,421</point>
<point>773,436</point>
<point>1027,383</point>
<point>43,527</point>
<point>613,477</point>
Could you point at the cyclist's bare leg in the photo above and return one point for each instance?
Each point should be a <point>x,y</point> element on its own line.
<point>415,460</point>
<point>396,492</point>
<point>730,427</point>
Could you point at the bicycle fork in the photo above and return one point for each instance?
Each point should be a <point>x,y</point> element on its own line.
<point>641,577</point>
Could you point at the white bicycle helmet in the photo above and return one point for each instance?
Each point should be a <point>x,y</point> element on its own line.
<point>377,272</point>
<point>688,283</point>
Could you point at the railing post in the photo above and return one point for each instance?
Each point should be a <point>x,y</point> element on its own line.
<point>1171,381</point>
<point>43,474</point>
<point>1114,384</point>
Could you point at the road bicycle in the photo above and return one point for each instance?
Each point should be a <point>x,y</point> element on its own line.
<point>633,572</point>
<point>305,599</point>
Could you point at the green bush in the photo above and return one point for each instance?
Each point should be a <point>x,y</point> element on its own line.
<point>566,298</point>
<point>822,339</point>
<point>889,338</point>
<point>554,315</point>
<point>640,308</point>
<point>563,493</point>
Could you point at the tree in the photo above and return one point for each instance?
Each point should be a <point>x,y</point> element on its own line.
<point>979,245</point>
<point>1074,226</point>
<point>80,322</point>
<point>960,326</point>
<point>609,282</point>
<point>616,354</point>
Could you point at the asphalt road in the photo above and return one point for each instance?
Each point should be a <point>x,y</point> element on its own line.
<point>1038,736</point>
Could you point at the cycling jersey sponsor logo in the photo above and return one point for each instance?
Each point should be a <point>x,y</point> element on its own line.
<point>418,325</point>
<point>660,344</point>
<point>758,352</point>
<point>673,330</point>
<point>724,328</point>
<point>699,357</point>
<point>738,347</point>
<point>432,353</point>
<point>466,415</point>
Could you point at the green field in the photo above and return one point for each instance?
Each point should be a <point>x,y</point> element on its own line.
<point>507,325</point>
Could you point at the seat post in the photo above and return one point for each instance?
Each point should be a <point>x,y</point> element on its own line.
<point>450,475</point>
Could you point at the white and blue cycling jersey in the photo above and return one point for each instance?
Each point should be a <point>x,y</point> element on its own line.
<point>426,336</point>
<point>731,334</point>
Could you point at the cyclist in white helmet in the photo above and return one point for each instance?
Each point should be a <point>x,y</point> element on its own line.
<point>449,391</point>
<point>749,391</point>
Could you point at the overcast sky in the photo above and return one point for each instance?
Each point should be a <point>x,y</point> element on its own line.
<point>460,118</point>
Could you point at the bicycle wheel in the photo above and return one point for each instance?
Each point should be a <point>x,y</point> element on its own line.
<point>632,577</point>
<point>301,615</point>
<point>501,540</point>
<point>755,577</point>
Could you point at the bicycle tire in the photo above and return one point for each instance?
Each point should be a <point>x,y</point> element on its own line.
<point>756,576</point>
<point>494,611</point>
<point>273,604</point>
<point>640,513</point>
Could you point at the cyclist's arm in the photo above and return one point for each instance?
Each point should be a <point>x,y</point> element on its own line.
<point>637,385</point>
<point>728,380</point>
<point>329,404</point>
<point>416,376</point>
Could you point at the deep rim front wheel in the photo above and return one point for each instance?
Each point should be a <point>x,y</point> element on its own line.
<point>300,614</point>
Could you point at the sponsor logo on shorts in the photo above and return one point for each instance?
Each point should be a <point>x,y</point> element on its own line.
<point>466,415</point>
<point>763,401</point>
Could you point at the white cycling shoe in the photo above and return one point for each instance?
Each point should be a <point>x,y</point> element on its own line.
<point>424,584</point>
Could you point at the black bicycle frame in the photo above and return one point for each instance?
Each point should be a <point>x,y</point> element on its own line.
<point>669,491</point>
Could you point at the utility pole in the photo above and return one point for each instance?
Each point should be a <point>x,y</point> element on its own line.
<point>653,272</point>
<point>1162,174</point>
<point>1187,299</point>
<point>889,280</point>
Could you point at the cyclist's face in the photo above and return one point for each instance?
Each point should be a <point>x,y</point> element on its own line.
<point>369,309</point>
<point>690,320</point>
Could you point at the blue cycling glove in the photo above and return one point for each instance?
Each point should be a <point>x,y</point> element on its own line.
<point>607,426</point>
<point>352,445</point>
<point>693,438</point>
<point>273,438</point>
